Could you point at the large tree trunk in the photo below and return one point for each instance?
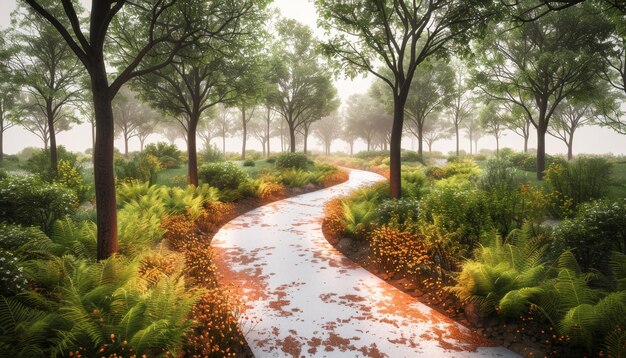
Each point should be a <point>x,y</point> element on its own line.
<point>395,146</point>
<point>192,167</point>
<point>53,139</point>
<point>125,144</point>
<point>93,136</point>
<point>104,175</point>
<point>526,142</point>
<point>420,139</point>
<point>497,147</point>
<point>292,138</point>
<point>570,146</point>
<point>541,152</point>
<point>306,138</point>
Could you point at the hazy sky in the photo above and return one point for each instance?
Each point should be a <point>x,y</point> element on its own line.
<point>587,140</point>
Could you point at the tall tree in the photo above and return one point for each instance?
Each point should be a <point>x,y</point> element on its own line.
<point>303,90</point>
<point>328,129</point>
<point>46,67</point>
<point>37,122</point>
<point>518,122</point>
<point>570,116</point>
<point>434,129</point>
<point>129,115</point>
<point>224,124</point>
<point>494,122</point>
<point>401,34</point>
<point>537,65</point>
<point>206,72</point>
<point>473,132</point>
<point>461,102</point>
<point>151,34</point>
<point>9,93</point>
<point>207,130</point>
<point>367,118</point>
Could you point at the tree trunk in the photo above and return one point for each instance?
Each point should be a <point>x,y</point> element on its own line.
<point>53,140</point>
<point>497,147</point>
<point>104,175</point>
<point>267,132</point>
<point>141,142</point>
<point>125,145</point>
<point>541,152</point>
<point>471,140</point>
<point>244,131</point>
<point>192,167</point>
<point>420,139</point>
<point>306,138</point>
<point>352,148</point>
<point>570,146</point>
<point>456,131</point>
<point>395,146</point>
<point>1,133</point>
<point>93,135</point>
<point>292,138</point>
<point>526,142</point>
<point>223,144</point>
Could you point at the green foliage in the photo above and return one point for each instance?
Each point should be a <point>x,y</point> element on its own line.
<point>291,160</point>
<point>248,163</point>
<point>528,161</point>
<point>358,216</point>
<point>581,180</point>
<point>211,154</point>
<point>14,236</point>
<point>397,212</point>
<point>39,163</point>
<point>29,201</point>
<point>168,154</point>
<point>293,177</point>
<point>12,280</point>
<point>70,177</point>
<point>142,167</point>
<point>222,175</point>
<point>414,183</point>
<point>504,276</point>
<point>271,160</point>
<point>598,228</point>
<point>499,173</point>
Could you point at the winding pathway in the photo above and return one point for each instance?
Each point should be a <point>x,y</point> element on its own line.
<point>304,298</point>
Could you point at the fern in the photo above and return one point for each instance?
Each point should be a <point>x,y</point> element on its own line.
<point>617,263</point>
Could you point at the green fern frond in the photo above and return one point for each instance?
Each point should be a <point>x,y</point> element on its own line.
<point>617,262</point>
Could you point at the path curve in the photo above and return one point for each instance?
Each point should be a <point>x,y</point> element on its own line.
<point>304,298</point>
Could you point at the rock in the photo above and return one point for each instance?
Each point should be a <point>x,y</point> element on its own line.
<point>345,244</point>
<point>473,314</point>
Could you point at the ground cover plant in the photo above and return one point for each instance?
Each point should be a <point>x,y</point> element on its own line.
<point>485,245</point>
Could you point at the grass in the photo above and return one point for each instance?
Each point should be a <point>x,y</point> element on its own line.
<point>172,177</point>
<point>617,189</point>
<point>260,166</point>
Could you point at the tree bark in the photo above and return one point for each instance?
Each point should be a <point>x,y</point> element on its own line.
<point>104,175</point>
<point>456,131</point>
<point>541,152</point>
<point>306,138</point>
<point>267,131</point>
<point>292,138</point>
<point>395,146</point>
<point>53,139</point>
<point>192,166</point>
<point>420,139</point>
<point>125,145</point>
<point>526,143</point>
<point>223,144</point>
<point>244,133</point>
<point>570,147</point>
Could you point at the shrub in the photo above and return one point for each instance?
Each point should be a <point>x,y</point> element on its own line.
<point>528,161</point>
<point>248,163</point>
<point>142,167</point>
<point>499,173</point>
<point>222,175</point>
<point>503,275</point>
<point>358,216</point>
<point>371,154</point>
<point>168,154</point>
<point>293,178</point>
<point>138,229</point>
<point>581,180</point>
<point>211,154</point>
<point>68,176</point>
<point>292,160</point>
<point>39,163</point>
<point>28,201</point>
<point>413,183</point>
<point>397,211</point>
<point>14,236</point>
<point>12,280</point>
<point>598,228</point>
<point>271,160</point>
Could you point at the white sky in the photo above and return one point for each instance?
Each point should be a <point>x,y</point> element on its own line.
<point>593,140</point>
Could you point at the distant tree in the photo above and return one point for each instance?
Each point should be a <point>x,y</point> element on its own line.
<point>531,10</point>
<point>349,133</point>
<point>434,129</point>
<point>37,122</point>
<point>207,129</point>
<point>9,92</point>
<point>367,118</point>
<point>303,90</point>
<point>537,65</point>
<point>518,122</point>
<point>473,132</point>
<point>401,35</point>
<point>269,118</point>
<point>148,127</point>
<point>129,115</point>
<point>570,116</point>
<point>328,129</point>
<point>47,69</point>
<point>493,121</point>
<point>172,130</point>
<point>224,124</point>
<point>461,102</point>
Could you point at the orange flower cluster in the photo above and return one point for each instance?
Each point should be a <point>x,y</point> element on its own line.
<point>181,232</point>
<point>334,223</point>
<point>269,191</point>
<point>400,252</point>
<point>199,266</point>
<point>215,214</point>
<point>335,178</point>
<point>217,334</point>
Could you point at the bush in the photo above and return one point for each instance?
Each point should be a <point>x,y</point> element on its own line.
<point>581,180</point>
<point>499,173</point>
<point>168,154</point>
<point>39,163</point>
<point>12,280</point>
<point>211,154</point>
<point>248,163</point>
<point>28,201</point>
<point>528,161</point>
<point>598,228</point>
<point>14,236</point>
<point>222,175</point>
<point>291,160</point>
<point>397,212</point>
<point>142,167</point>
<point>68,176</point>
<point>271,160</point>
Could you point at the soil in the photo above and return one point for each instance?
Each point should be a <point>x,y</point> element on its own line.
<point>528,336</point>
